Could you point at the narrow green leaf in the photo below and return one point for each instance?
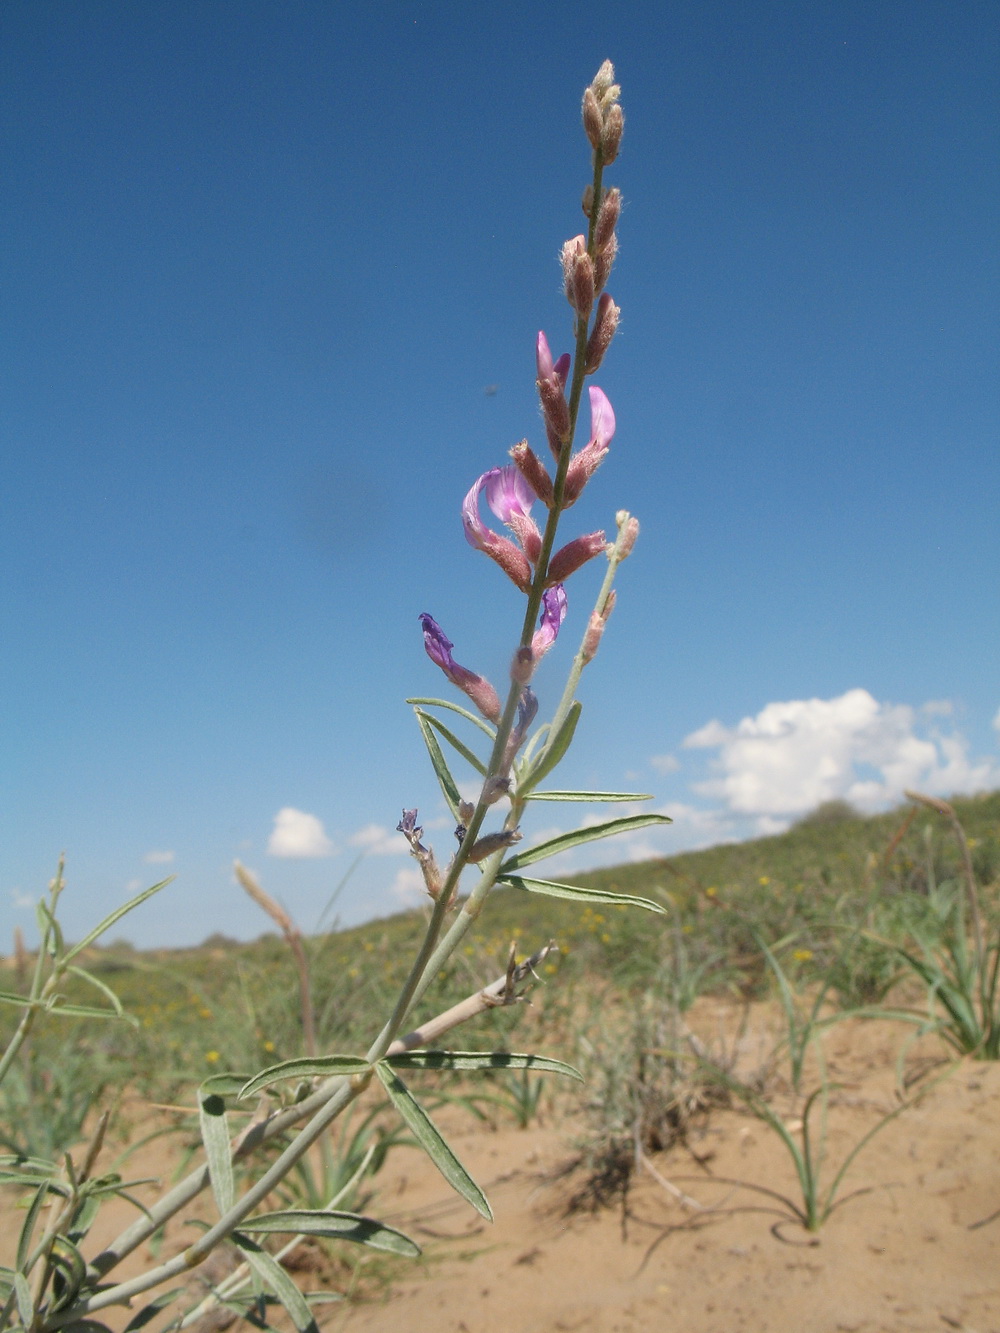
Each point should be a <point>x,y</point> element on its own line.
<point>441,769</point>
<point>223,1085</point>
<point>86,1011</point>
<point>595,796</point>
<point>554,750</point>
<point>117,915</point>
<point>553,890</point>
<point>626,824</point>
<point>270,1272</point>
<point>98,984</point>
<point>215,1136</point>
<point>25,1305</point>
<point>542,1064</point>
<point>453,740</point>
<point>429,1137</point>
<point>462,712</point>
<point>335,1225</point>
<point>11,997</point>
<point>321,1066</point>
<point>28,1226</point>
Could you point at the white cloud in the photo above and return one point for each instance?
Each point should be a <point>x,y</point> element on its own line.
<point>796,754</point>
<point>377,840</point>
<point>297,834</point>
<point>996,720</point>
<point>159,858</point>
<point>665,763</point>
<point>408,887</point>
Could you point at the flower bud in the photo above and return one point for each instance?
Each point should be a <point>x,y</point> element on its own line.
<point>571,250</point>
<point>582,299</point>
<point>607,217</point>
<point>628,530</point>
<point>595,629</point>
<point>522,666</point>
<point>493,842</point>
<point>611,139</point>
<point>587,202</point>
<point>568,559</point>
<point>533,471</point>
<point>603,79</point>
<point>603,263</point>
<point>494,789</point>
<point>555,409</point>
<point>605,328</point>
<point>593,120</point>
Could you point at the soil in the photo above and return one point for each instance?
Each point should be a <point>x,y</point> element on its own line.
<point>913,1247</point>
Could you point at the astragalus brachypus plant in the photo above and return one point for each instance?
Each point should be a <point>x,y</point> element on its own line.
<point>55,1285</point>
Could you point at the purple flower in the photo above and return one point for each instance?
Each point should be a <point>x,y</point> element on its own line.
<point>553,615</point>
<point>438,647</point>
<point>510,497</point>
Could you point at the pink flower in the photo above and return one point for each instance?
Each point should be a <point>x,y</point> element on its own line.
<point>510,497</point>
<point>584,464</point>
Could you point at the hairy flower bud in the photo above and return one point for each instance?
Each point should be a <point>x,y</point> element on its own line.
<point>493,842</point>
<point>603,79</point>
<point>533,471</point>
<point>628,531</point>
<point>604,262</point>
<point>605,328</point>
<point>593,120</point>
<point>611,139</point>
<point>595,629</point>
<point>568,559</point>
<point>582,299</point>
<point>571,251</point>
<point>587,202</point>
<point>555,409</point>
<point>607,217</point>
<point>522,666</point>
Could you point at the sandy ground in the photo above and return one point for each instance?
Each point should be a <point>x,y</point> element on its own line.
<point>916,1252</point>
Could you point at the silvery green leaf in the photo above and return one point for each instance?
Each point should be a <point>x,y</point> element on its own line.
<point>541,1064</point>
<point>453,740</point>
<point>116,915</point>
<point>552,890</point>
<point>215,1136</point>
<point>625,824</point>
<point>320,1066</point>
<point>20,1001</point>
<point>441,769</point>
<point>457,708</point>
<point>334,1225</point>
<point>594,796</point>
<point>28,1226</point>
<point>106,991</point>
<point>430,1139</point>
<point>275,1277</point>
<point>25,1305</point>
<point>554,750</point>
<point>223,1085</point>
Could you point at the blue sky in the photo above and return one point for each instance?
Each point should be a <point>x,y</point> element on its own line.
<point>261,262</point>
